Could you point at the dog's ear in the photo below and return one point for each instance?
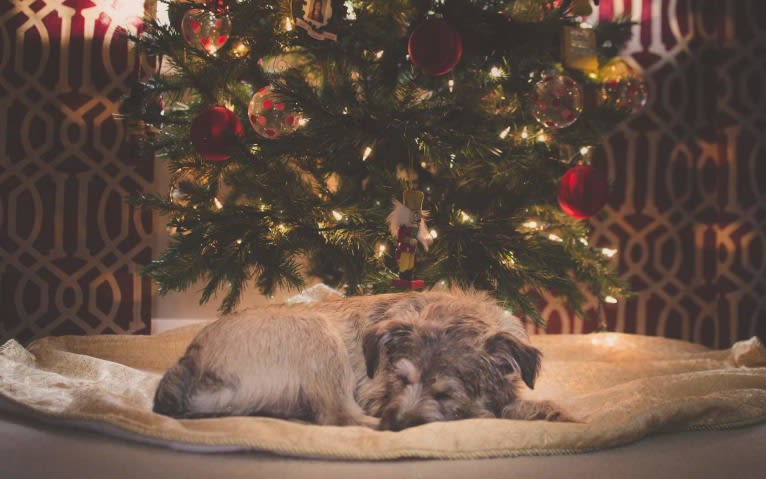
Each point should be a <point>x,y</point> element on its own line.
<point>379,336</point>
<point>509,355</point>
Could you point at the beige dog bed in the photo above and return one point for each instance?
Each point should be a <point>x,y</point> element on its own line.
<point>621,387</point>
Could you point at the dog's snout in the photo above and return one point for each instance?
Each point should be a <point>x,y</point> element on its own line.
<point>411,408</point>
<point>393,423</point>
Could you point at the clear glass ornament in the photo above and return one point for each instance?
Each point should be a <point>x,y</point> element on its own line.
<point>204,30</point>
<point>557,101</point>
<point>622,88</point>
<point>270,116</point>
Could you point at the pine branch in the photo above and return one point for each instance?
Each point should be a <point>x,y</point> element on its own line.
<point>376,126</point>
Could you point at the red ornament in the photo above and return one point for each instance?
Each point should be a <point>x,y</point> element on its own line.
<point>213,130</point>
<point>583,191</point>
<point>435,47</point>
<point>219,7</point>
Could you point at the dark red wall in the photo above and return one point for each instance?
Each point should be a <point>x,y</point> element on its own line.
<point>688,205</point>
<point>69,245</point>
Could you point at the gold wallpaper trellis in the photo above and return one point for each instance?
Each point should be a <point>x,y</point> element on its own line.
<point>70,246</point>
<point>687,212</point>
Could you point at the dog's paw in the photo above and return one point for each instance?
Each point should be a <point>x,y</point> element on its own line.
<point>536,410</point>
<point>370,421</point>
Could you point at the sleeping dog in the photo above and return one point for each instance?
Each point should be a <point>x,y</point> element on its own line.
<point>385,361</point>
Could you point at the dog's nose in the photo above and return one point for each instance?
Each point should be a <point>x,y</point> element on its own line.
<point>393,423</point>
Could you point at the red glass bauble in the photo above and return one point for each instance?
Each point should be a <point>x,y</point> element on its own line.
<point>219,7</point>
<point>583,191</point>
<point>435,47</point>
<point>213,130</point>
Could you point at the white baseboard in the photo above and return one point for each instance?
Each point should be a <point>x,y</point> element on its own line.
<point>160,325</point>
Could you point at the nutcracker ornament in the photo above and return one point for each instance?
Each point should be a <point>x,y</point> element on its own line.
<point>407,223</point>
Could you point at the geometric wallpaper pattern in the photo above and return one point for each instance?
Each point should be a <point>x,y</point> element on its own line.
<point>687,212</point>
<point>70,246</point>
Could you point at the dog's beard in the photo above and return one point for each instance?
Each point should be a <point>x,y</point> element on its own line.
<point>413,401</point>
<point>442,370</point>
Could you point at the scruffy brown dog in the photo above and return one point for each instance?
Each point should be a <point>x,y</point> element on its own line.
<point>387,361</point>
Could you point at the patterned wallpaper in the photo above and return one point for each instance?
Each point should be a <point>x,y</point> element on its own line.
<point>687,212</point>
<point>69,245</point>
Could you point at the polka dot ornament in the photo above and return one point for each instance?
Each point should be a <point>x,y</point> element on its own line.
<point>556,101</point>
<point>269,116</point>
<point>622,88</point>
<point>204,30</point>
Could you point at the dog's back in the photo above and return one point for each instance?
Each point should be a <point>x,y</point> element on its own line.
<point>288,362</point>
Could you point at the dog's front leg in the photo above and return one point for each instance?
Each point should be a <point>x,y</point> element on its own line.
<point>532,410</point>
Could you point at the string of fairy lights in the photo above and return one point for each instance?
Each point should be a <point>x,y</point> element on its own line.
<point>515,134</point>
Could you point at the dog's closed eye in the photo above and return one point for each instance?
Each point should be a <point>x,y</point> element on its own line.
<point>444,390</point>
<point>442,395</point>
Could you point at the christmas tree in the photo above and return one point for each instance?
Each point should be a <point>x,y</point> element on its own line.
<point>304,137</point>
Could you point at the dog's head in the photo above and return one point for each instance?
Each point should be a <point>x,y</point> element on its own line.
<point>443,364</point>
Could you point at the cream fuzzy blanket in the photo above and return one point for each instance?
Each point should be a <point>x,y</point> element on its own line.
<point>621,387</point>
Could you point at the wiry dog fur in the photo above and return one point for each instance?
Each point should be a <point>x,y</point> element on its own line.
<point>389,361</point>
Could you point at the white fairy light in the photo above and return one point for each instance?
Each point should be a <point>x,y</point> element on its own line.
<point>218,203</point>
<point>240,49</point>
<point>584,150</point>
<point>239,241</point>
<point>366,154</point>
<point>554,237</point>
<point>379,54</point>
<point>465,217</point>
<point>451,85</point>
<point>584,241</point>
<point>380,249</point>
<point>434,234</point>
<point>504,133</point>
<point>541,137</point>
<point>345,110</point>
<point>496,72</point>
<point>337,215</point>
<point>608,252</point>
<point>524,133</point>
<point>610,299</point>
<point>532,224</point>
<point>288,24</point>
